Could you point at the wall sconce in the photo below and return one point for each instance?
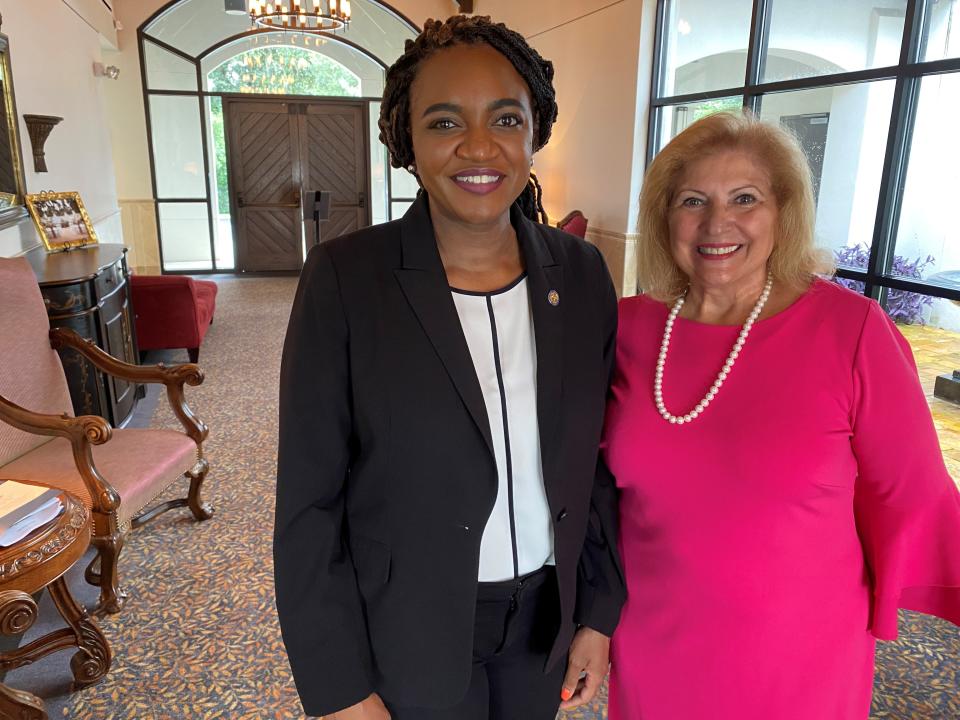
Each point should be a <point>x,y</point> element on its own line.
<point>39,127</point>
<point>109,71</point>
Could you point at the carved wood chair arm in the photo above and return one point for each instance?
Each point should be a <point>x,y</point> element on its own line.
<point>173,377</point>
<point>83,432</point>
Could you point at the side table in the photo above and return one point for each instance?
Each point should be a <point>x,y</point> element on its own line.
<point>86,290</point>
<point>40,561</point>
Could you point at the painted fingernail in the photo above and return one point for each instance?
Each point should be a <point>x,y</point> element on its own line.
<point>566,694</point>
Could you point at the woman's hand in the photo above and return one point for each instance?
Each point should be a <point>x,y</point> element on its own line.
<point>589,657</point>
<point>371,708</point>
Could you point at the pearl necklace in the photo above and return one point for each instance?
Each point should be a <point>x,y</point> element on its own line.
<point>721,376</point>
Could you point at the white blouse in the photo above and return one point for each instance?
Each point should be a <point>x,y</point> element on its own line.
<point>498,325</point>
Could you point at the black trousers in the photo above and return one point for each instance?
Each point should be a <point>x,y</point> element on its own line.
<point>515,625</point>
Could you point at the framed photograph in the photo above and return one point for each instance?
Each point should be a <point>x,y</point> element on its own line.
<point>61,220</point>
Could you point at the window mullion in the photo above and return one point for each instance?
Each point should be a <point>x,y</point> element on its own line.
<point>654,113</point>
<point>915,33</point>
<point>897,155</point>
<point>757,48</point>
<point>756,55</point>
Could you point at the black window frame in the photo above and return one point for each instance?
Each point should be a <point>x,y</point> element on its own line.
<point>907,74</point>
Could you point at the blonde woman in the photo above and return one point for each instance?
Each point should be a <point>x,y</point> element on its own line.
<point>782,489</point>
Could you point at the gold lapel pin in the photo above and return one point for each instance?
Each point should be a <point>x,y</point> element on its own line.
<point>553,297</point>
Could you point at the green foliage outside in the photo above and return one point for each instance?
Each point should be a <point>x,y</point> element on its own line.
<point>276,70</point>
<point>220,149</point>
<point>709,107</point>
<point>282,70</point>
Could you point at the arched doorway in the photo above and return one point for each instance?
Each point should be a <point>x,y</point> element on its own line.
<point>217,95</point>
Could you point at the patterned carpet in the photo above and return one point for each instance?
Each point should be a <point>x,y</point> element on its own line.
<point>199,640</point>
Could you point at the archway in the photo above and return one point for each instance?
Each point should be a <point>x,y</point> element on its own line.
<point>194,55</point>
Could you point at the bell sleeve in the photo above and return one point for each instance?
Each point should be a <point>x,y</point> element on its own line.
<point>906,505</point>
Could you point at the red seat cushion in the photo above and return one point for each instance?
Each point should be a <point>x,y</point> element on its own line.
<point>172,311</point>
<point>206,304</point>
<point>575,224</point>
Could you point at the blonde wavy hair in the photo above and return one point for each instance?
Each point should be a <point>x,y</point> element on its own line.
<point>795,259</point>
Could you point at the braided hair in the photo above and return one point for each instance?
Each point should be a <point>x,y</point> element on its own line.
<point>394,120</point>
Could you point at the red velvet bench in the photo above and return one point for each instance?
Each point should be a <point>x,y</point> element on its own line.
<point>172,311</point>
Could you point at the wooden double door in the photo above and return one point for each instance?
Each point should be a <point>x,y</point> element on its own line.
<point>280,150</point>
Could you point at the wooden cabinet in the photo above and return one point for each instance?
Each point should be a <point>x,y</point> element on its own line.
<point>86,290</point>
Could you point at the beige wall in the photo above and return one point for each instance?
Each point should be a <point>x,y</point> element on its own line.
<point>53,46</point>
<point>602,53</point>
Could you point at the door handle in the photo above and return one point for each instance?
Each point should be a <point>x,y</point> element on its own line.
<point>295,204</point>
<point>361,200</point>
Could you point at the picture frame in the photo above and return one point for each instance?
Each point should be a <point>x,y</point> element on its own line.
<point>61,219</point>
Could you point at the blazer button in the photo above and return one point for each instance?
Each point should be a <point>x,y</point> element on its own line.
<point>561,515</point>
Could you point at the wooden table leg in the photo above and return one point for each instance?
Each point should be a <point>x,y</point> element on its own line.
<point>92,661</point>
<point>20,705</point>
<point>17,613</point>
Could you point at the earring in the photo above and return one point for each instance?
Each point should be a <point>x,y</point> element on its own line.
<point>531,161</point>
<point>412,168</point>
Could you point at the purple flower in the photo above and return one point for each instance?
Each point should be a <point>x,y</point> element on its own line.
<point>903,306</point>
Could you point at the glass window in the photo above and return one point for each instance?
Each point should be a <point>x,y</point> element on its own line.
<point>821,37</point>
<point>166,71</point>
<point>195,25</point>
<point>928,243</point>
<point>281,70</point>
<point>843,132</point>
<point>397,209</point>
<point>378,30</point>
<point>378,169</point>
<point>177,146</point>
<point>703,49</point>
<point>219,185</point>
<point>290,69</point>
<point>185,233</point>
<point>403,183</point>
<point>676,118</point>
<point>941,38</point>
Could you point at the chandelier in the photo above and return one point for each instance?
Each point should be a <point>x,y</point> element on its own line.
<point>305,16</point>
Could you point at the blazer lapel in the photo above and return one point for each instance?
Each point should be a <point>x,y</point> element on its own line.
<point>424,283</point>
<point>545,279</point>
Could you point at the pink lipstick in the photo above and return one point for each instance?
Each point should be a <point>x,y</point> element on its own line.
<point>479,181</point>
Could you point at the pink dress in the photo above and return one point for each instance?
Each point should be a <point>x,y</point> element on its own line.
<point>767,543</point>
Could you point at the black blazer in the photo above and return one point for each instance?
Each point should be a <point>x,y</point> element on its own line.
<point>386,473</point>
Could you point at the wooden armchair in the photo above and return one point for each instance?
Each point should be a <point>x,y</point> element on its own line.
<point>116,472</point>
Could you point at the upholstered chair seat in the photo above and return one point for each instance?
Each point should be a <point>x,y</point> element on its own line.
<point>137,462</point>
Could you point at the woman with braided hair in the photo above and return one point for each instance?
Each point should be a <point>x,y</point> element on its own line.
<point>445,537</point>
